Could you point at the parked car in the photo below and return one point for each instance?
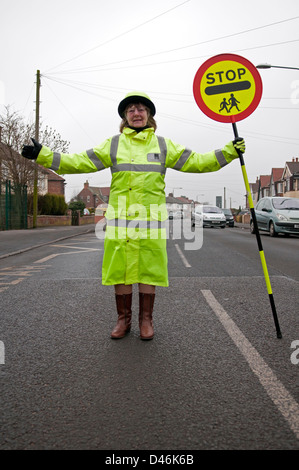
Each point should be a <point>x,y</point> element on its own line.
<point>277,215</point>
<point>178,215</point>
<point>209,216</point>
<point>229,217</point>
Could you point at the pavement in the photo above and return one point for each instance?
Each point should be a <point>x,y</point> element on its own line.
<point>13,242</point>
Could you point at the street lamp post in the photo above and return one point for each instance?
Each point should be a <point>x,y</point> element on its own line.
<point>174,189</point>
<point>269,66</point>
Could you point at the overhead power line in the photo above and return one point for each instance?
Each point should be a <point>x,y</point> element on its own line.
<point>86,69</point>
<point>120,35</point>
<point>164,62</point>
<point>68,111</point>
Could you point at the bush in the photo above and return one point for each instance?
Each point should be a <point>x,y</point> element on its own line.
<point>77,206</point>
<point>51,204</point>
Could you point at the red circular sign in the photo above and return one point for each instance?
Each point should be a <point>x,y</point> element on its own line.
<point>227,88</point>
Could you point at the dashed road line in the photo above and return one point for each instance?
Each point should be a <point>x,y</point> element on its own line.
<point>183,258</point>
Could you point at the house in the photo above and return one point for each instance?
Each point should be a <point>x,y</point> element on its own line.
<point>281,182</point>
<point>264,186</point>
<point>187,204</point>
<point>93,196</point>
<point>276,182</point>
<point>105,192</point>
<point>51,183</point>
<point>179,204</point>
<point>290,178</point>
<point>48,180</point>
<point>254,190</point>
<point>174,204</point>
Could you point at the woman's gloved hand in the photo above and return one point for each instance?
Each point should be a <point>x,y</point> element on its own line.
<point>239,144</point>
<point>31,151</point>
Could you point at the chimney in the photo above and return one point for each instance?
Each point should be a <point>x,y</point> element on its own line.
<point>296,157</point>
<point>86,185</point>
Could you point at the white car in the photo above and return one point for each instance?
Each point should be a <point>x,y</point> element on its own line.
<point>208,216</point>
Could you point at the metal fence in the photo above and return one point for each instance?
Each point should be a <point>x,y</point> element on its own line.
<point>13,206</point>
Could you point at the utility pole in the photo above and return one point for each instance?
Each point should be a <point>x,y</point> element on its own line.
<point>224,197</point>
<point>35,192</point>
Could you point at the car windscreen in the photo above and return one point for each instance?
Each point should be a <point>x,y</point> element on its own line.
<point>212,209</point>
<point>286,204</point>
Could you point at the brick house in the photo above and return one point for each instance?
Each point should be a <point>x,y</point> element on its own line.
<point>276,182</point>
<point>51,183</point>
<point>254,189</point>
<point>48,180</point>
<point>93,196</point>
<point>281,182</point>
<point>264,187</point>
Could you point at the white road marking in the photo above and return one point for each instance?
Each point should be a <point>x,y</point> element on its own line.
<point>284,401</point>
<point>80,248</point>
<point>43,260</point>
<point>2,353</point>
<point>13,283</point>
<point>47,258</point>
<point>24,271</point>
<point>183,258</point>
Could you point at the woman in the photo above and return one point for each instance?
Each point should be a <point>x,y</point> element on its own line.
<point>135,238</point>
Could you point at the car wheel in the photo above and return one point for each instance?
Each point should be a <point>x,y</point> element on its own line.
<point>272,230</point>
<point>252,229</point>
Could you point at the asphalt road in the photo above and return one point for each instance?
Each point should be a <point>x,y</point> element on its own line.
<point>215,376</point>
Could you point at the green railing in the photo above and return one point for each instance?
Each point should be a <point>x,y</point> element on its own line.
<point>13,206</point>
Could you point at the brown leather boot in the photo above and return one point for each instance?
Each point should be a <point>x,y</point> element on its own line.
<point>146,306</point>
<point>124,310</point>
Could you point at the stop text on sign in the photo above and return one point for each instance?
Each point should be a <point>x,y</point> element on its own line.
<point>226,75</point>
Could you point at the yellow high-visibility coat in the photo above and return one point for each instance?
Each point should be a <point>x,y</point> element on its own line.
<point>135,238</point>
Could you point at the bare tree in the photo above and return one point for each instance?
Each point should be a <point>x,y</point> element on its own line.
<point>14,134</point>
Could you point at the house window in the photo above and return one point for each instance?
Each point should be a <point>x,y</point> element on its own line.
<point>88,198</point>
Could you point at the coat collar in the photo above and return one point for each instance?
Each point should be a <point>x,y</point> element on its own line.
<point>139,135</point>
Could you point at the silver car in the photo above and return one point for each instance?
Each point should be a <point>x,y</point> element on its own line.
<point>277,215</point>
<point>209,216</point>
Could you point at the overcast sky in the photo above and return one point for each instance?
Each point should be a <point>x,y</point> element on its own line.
<point>92,52</point>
